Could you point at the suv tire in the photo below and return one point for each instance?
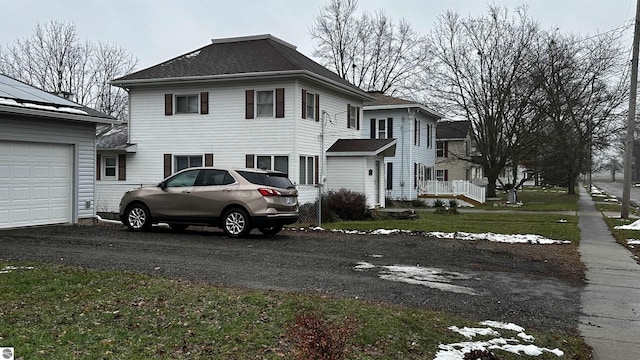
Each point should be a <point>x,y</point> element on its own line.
<point>137,217</point>
<point>236,223</point>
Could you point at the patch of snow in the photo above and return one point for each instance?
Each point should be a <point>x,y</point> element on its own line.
<point>501,325</point>
<point>633,242</point>
<point>502,238</point>
<point>9,268</point>
<point>633,226</point>
<point>193,54</point>
<point>470,333</point>
<point>457,351</point>
<point>363,265</point>
<point>430,277</point>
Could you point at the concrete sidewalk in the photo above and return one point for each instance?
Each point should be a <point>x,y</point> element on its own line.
<point>610,320</point>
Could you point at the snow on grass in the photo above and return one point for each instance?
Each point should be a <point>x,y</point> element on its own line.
<point>9,268</point>
<point>633,242</point>
<point>457,351</point>
<point>633,226</point>
<point>459,235</point>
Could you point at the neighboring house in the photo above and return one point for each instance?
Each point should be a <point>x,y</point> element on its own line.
<point>413,125</point>
<point>47,157</point>
<point>250,102</point>
<point>454,151</point>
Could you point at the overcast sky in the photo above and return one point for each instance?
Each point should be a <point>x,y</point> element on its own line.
<point>158,30</point>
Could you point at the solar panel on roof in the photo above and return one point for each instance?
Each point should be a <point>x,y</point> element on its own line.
<point>14,89</point>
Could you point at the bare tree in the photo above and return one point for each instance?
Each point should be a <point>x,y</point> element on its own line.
<point>580,99</point>
<point>371,52</point>
<point>479,71</point>
<point>55,60</point>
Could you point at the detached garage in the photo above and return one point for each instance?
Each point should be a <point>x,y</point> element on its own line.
<point>47,157</point>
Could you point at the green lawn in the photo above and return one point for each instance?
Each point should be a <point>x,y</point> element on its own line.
<point>54,312</point>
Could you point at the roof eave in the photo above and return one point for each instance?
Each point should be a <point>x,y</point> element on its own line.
<point>57,115</point>
<point>430,112</point>
<point>243,76</point>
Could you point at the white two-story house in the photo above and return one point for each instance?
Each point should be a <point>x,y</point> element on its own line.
<point>251,102</point>
<point>413,125</point>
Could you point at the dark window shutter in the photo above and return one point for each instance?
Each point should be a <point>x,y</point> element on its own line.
<point>98,166</point>
<point>249,161</point>
<point>317,163</point>
<point>167,165</point>
<point>122,167</point>
<point>204,103</point>
<point>446,175</point>
<point>280,102</point>
<point>389,128</point>
<point>248,104</point>
<point>358,118</point>
<point>446,149</point>
<point>168,104</point>
<point>348,116</point>
<point>317,107</point>
<point>415,175</point>
<point>208,159</point>
<point>373,129</point>
<point>304,103</point>
<point>389,176</point>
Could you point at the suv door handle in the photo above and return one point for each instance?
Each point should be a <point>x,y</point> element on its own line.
<point>186,191</point>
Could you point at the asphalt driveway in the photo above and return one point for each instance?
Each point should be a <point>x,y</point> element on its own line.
<point>535,286</point>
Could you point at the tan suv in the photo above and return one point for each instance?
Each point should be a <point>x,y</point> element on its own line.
<point>235,200</point>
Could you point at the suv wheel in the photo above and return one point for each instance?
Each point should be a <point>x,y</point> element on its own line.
<point>137,218</point>
<point>271,230</point>
<point>235,223</point>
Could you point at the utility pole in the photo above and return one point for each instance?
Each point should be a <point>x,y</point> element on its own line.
<point>631,117</point>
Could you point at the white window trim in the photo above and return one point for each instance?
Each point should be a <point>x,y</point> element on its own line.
<point>353,117</point>
<point>103,174</point>
<point>273,103</point>
<point>440,174</point>
<point>310,106</point>
<point>175,105</point>
<point>176,156</point>
<point>273,161</point>
<point>386,128</point>
<point>306,174</point>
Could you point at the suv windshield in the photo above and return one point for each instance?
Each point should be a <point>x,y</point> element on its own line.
<point>278,180</point>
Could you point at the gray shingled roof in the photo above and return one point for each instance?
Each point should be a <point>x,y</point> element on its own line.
<point>452,129</point>
<point>260,54</point>
<point>112,137</point>
<point>382,99</point>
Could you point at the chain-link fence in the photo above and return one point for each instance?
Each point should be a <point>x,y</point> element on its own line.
<point>308,200</point>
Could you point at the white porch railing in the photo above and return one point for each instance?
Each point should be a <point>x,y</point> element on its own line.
<point>452,188</point>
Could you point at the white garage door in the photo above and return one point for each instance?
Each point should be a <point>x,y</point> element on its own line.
<point>35,183</point>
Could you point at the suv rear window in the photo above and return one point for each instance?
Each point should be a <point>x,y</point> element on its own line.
<point>278,180</point>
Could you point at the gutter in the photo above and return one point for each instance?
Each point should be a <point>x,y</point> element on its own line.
<point>242,76</point>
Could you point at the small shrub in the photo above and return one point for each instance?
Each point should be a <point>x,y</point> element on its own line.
<point>417,203</point>
<point>453,206</point>
<point>315,338</point>
<point>309,213</point>
<point>347,204</point>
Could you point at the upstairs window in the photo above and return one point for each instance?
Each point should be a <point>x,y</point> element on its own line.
<point>264,103</point>
<point>441,149</point>
<point>311,107</point>
<point>187,104</point>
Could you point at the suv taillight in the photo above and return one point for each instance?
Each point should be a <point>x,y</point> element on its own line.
<point>269,192</point>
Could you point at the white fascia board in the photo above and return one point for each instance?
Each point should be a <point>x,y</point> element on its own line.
<point>227,77</point>
<point>425,109</point>
<point>56,115</point>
